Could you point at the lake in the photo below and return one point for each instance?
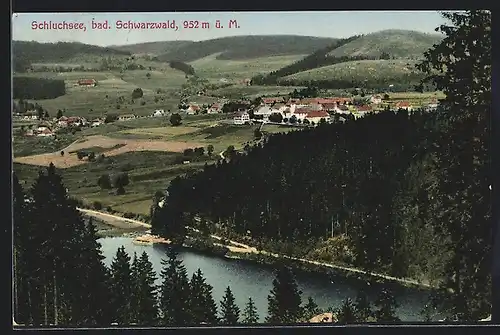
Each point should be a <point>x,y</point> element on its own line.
<point>248,279</point>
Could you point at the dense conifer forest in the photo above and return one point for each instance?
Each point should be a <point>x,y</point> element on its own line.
<point>402,193</point>
<point>37,88</point>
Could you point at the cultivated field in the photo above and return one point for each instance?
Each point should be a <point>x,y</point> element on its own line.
<point>115,146</point>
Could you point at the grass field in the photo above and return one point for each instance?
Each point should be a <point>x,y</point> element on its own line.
<point>212,68</point>
<point>102,99</point>
<point>359,70</point>
<point>27,146</point>
<point>148,172</point>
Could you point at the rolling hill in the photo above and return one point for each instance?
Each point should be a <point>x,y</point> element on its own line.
<point>248,47</point>
<point>371,74</point>
<point>34,52</point>
<point>406,44</point>
<point>152,48</point>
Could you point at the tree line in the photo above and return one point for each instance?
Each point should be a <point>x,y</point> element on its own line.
<point>60,278</point>
<point>181,66</point>
<point>406,193</point>
<point>37,88</point>
<point>25,53</point>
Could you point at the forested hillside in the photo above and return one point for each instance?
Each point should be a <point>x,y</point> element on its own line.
<point>153,48</point>
<point>247,47</point>
<point>24,53</point>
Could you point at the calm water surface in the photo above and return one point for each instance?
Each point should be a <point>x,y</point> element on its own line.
<point>255,280</point>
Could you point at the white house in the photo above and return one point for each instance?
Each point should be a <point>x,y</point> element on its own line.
<point>45,132</point>
<point>241,118</point>
<point>342,109</point>
<point>126,117</point>
<point>31,115</point>
<point>433,104</point>
<point>265,112</point>
<point>159,113</point>
<point>41,129</point>
<point>376,99</point>
<point>96,123</point>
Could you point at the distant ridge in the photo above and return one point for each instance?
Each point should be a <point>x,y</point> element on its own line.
<point>33,52</point>
<point>248,47</point>
<point>153,48</point>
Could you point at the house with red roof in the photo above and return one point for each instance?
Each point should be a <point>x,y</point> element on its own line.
<point>215,108</point>
<point>329,106</point>
<point>342,109</point>
<point>403,105</point>
<point>271,101</point>
<point>299,113</point>
<point>316,116</point>
<point>87,82</point>
<point>364,109</point>
<point>193,109</point>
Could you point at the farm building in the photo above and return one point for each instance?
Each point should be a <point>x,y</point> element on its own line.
<point>126,117</point>
<point>215,108</point>
<point>87,82</point>
<point>193,109</point>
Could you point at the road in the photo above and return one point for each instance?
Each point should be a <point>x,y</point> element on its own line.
<point>244,248</point>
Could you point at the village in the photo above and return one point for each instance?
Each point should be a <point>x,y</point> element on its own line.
<point>304,112</point>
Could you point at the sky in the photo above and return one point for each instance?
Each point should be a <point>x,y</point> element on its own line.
<point>322,24</point>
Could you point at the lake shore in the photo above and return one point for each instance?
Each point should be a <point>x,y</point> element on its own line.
<point>120,226</point>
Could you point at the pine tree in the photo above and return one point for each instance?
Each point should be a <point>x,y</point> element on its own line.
<point>202,304</point>
<point>174,292</point>
<point>230,312</point>
<point>346,314</point>
<point>386,304</point>
<point>58,236</point>
<point>121,287</point>
<point>134,298</point>
<point>21,246</point>
<point>462,210</point>
<point>364,312</point>
<point>250,315</point>
<point>95,292</point>
<point>284,300</point>
<point>146,308</point>
<point>311,309</point>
